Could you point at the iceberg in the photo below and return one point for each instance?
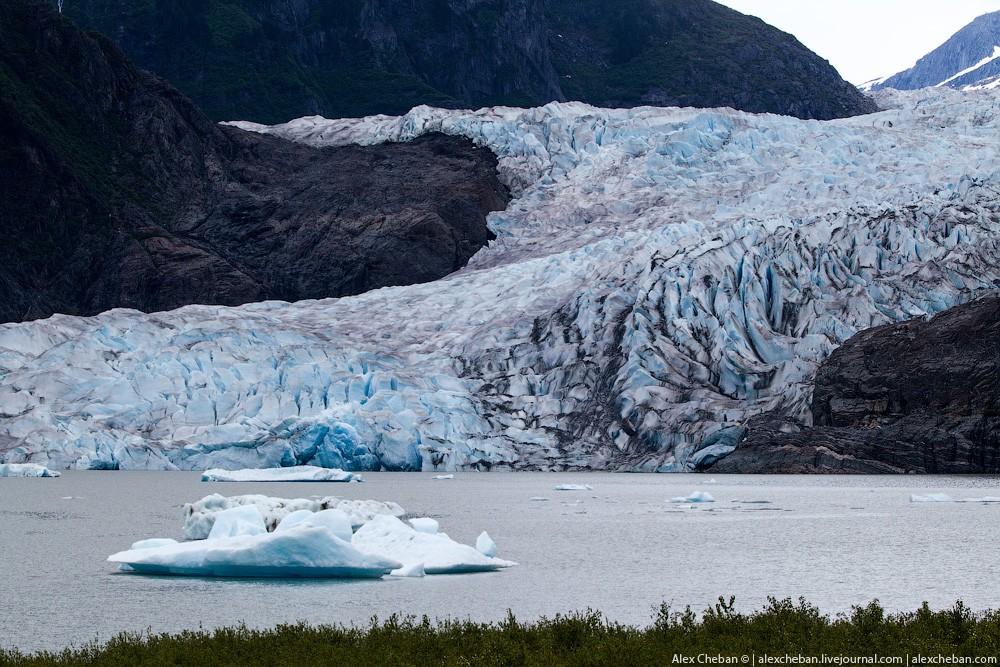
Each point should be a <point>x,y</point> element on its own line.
<point>437,553</point>
<point>26,470</point>
<point>333,520</point>
<point>443,477</point>
<point>485,545</point>
<point>573,487</point>
<point>300,552</point>
<point>289,474</point>
<point>661,276</point>
<point>945,498</point>
<point>425,525</point>
<point>694,497</point>
<point>199,516</point>
<point>238,521</point>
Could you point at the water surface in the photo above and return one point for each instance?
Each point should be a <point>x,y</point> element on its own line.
<point>620,548</point>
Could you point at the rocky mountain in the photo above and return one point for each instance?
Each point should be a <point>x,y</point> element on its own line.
<point>970,59</point>
<point>115,191</point>
<point>661,278</point>
<point>269,61</point>
<point>919,396</point>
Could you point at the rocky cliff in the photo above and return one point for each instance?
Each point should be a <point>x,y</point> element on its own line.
<point>270,61</point>
<point>116,191</point>
<point>919,396</point>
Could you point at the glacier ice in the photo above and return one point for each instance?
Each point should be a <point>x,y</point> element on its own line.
<point>485,544</point>
<point>200,516</point>
<point>435,552</point>
<point>288,474</point>
<point>572,487</point>
<point>238,521</point>
<point>661,276</point>
<point>695,497</point>
<point>333,520</point>
<point>301,552</point>
<point>26,470</point>
<point>425,525</point>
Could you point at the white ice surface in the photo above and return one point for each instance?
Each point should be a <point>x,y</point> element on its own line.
<point>300,552</point>
<point>661,276</point>
<point>572,487</point>
<point>437,553</point>
<point>199,516</point>
<point>425,525</point>
<point>238,521</point>
<point>289,474</point>
<point>26,470</point>
<point>485,545</point>
<point>695,497</point>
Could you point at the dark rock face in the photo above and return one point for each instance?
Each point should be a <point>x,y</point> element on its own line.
<point>115,191</point>
<point>946,64</point>
<point>920,396</point>
<point>270,61</point>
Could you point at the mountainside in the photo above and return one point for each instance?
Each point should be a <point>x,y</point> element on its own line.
<point>662,278</point>
<point>269,61</point>
<point>920,396</point>
<point>115,191</point>
<point>970,59</point>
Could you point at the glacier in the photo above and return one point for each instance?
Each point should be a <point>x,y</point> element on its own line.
<point>661,276</point>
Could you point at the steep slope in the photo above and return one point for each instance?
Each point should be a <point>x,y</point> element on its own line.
<point>662,277</point>
<point>115,191</point>
<point>269,61</point>
<point>919,396</point>
<point>969,59</point>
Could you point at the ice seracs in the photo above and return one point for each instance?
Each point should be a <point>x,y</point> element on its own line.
<point>288,474</point>
<point>662,276</point>
<point>26,470</point>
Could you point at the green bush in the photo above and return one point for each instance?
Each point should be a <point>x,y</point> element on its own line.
<point>587,638</point>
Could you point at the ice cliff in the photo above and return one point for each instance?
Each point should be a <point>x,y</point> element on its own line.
<point>661,276</point>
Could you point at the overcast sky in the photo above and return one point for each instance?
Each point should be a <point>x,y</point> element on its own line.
<point>867,39</point>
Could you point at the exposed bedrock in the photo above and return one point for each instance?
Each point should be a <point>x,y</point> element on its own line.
<point>115,191</point>
<point>918,396</point>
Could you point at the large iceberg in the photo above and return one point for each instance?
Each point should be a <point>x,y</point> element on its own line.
<point>289,474</point>
<point>661,276</point>
<point>305,551</point>
<point>26,470</point>
<point>200,516</point>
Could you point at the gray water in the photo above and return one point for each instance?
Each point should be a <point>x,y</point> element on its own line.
<point>621,548</point>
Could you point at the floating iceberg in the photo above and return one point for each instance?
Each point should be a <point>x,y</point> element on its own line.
<point>437,553</point>
<point>661,276</point>
<point>443,477</point>
<point>301,552</point>
<point>573,487</point>
<point>238,521</point>
<point>200,515</point>
<point>695,497</point>
<point>289,474</point>
<point>333,520</point>
<point>26,470</point>
<point>945,498</point>
<point>485,545</point>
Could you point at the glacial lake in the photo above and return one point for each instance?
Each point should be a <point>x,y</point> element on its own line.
<point>622,548</point>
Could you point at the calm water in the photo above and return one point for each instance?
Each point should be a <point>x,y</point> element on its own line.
<point>620,548</point>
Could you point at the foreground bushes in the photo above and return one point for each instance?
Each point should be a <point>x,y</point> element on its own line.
<point>781,628</point>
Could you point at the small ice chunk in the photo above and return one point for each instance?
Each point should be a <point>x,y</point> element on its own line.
<point>485,545</point>
<point>302,552</point>
<point>289,474</point>
<point>573,487</point>
<point>153,543</point>
<point>539,499</point>
<point>984,499</point>
<point>752,502</point>
<point>444,477</point>
<point>26,470</point>
<point>931,498</point>
<point>695,497</point>
<point>390,537</point>
<point>241,520</point>
<point>412,570</point>
<point>425,525</point>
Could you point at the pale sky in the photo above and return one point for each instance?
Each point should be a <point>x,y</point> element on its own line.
<point>867,39</point>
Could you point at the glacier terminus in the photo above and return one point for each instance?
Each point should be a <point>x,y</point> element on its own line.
<point>660,276</point>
